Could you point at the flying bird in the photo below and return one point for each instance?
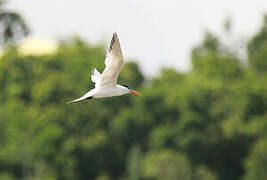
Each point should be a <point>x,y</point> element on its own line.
<point>106,83</point>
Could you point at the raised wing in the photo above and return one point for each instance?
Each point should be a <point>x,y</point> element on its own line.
<point>114,63</point>
<point>95,75</point>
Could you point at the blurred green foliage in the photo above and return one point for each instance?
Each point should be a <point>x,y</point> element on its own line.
<point>206,124</point>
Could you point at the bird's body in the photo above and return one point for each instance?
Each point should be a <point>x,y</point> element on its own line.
<point>106,83</point>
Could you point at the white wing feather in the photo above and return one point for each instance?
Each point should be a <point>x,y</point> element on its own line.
<point>95,75</point>
<point>114,63</point>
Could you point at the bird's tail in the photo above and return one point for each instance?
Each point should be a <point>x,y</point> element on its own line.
<point>79,99</point>
<point>70,102</point>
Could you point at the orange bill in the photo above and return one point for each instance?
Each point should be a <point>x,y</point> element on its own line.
<point>135,92</point>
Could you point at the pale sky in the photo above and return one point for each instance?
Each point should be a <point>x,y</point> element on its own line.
<point>157,33</point>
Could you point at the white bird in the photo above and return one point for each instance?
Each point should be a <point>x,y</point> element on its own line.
<point>106,83</point>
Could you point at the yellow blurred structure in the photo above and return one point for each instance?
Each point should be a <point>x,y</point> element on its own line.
<point>37,46</point>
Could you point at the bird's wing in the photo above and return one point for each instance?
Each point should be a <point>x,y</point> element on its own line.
<point>114,63</point>
<point>95,75</point>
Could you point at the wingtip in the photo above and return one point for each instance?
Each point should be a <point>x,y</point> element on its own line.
<point>114,35</point>
<point>114,42</point>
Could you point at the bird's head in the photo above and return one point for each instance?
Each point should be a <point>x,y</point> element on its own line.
<point>131,90</point>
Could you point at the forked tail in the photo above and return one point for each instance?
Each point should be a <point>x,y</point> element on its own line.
<point>79,99</point>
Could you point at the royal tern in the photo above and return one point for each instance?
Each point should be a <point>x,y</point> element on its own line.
<point>106,83</point>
